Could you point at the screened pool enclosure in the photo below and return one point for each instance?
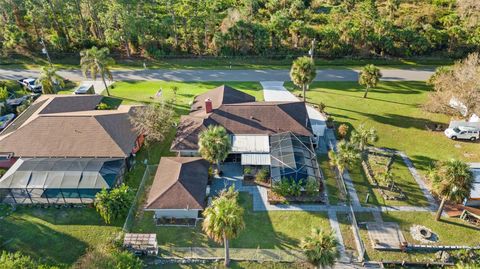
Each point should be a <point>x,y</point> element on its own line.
<point>59,180</point>
<point>293,157</point>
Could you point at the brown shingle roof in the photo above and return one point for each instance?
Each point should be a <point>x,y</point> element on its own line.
<point>180,183</point>
<point>262,118</point>
<point>219,96</point>
<point>76,133</point>
<point>187,133</point>
<point>70,103</point>
<point>245,118</point>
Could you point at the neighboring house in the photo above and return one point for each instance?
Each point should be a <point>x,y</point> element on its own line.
<point>62,150</point>
<point>474,199</point>
<point>277,135</point>
<point>179,189</point>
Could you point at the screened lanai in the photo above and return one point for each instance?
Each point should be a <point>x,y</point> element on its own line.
<point>59,180</point>
<point>293,157</point>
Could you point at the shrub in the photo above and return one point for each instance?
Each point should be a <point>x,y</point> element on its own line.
<point>114,203</point>
<point>262,175</point>
<point>312,186</point>
<point>321,107</point>
<point>103,106</point>
<point>342,131</point>
<point>287,187</point>
<point>247,170</point>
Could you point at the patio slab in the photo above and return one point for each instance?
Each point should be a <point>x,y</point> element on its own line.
<point>385,235</point>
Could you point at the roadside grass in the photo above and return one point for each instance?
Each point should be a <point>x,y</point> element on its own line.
<point>335,194</point>
<point>450,231</point>
<point>271,230</point>
<point>235,265</point>
<point>55,236</point>
<point>223,63</point>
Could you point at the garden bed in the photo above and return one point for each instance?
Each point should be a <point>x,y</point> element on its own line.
<point>176,222</point>
<point>275,199</point>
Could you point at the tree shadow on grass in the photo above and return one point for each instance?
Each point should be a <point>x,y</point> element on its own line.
<point>396,120</point>
<point>463,225</point>
<point>39,241</point>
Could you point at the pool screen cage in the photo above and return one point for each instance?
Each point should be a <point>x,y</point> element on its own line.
<point>293,157</point>
<point>59,180</point>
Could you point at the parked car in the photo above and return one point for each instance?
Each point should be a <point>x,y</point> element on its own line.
<point>31,84</point>
<point>463,132</point>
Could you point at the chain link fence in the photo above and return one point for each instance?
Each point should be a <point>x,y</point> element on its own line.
<point>139,197</point>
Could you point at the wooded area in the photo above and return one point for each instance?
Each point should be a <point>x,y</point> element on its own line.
<point>157,28</point>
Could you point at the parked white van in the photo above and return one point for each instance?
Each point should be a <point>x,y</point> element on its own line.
<point>463,132</point>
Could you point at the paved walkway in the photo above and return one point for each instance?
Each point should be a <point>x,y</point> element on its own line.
<point>228,75</point>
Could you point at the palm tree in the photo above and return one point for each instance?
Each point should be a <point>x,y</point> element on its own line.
<point>214,144</point>
<point>452,181</point>
<point>320,248</point>
<point>362,137</point>
<point>345,156</point>
<point>369,77</point>
<point>96,61</point>
<point>224,219</point>
<point>303,72</point>
<point>50,80</point>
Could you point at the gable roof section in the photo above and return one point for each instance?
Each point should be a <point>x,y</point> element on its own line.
<point>63,136</point>
<point>79,132</point>
<point>219,96</point>
<point>179,183</point>
<point>262,118</point>
<point>69,103</point>
<point>188,131</point>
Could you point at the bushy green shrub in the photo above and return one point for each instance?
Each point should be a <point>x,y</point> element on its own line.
<point>262,175</point>
<point>287,187</point>
<point>103,106</point>
<point>247,170</point>
<point>312,186</point>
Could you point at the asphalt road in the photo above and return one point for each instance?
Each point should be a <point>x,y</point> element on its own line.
<point>228,75</point>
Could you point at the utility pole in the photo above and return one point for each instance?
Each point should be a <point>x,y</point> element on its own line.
<point>45,51</point>
<point>312,49</point>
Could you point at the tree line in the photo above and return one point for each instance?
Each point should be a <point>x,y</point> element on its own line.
<point>158,28</point>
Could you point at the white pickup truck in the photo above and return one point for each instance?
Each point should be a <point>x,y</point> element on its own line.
<point>31,84</point>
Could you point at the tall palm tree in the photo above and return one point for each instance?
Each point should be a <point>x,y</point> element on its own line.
<point>303,72</point>
<point>214,144</point>
<point>320,248</point>
<point>369,77</point>
<point>96,61</point>
<point>224,219</point>
<point>452,181</point>
<point>50,80</point>
<point>345,156</point>
<point>363,136</point>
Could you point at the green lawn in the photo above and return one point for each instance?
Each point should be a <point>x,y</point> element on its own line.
<point>347,233</point>
<point>234,265</point>
<point>55,236</point>
<point>274,229</point>
<point>394,109</point>
<point>335,195</point>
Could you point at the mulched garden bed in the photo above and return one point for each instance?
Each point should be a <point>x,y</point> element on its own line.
<point>250,181</point>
